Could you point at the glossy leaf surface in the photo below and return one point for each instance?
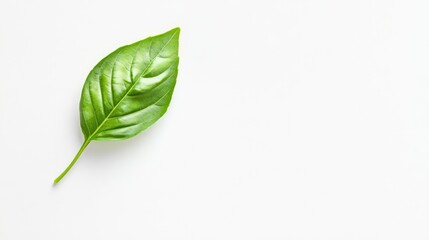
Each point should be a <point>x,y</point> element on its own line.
<point>129,90</point>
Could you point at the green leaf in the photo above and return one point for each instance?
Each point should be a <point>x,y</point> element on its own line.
<point>128,90</point>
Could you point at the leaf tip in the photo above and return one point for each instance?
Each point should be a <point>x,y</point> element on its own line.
<point>175,30</point>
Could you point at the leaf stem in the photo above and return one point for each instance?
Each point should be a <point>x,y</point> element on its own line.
<point>82,148</point>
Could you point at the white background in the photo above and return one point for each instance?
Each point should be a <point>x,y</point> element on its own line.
<point>290,120</point>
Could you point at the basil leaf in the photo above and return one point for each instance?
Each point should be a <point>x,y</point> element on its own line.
<point>128,90</point>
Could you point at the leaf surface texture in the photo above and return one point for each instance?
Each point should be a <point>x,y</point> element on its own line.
<point>130,89</point>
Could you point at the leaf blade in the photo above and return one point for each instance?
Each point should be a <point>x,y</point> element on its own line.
<point>142,80</point>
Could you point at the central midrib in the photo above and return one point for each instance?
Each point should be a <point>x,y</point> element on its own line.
<point>129,90</point>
